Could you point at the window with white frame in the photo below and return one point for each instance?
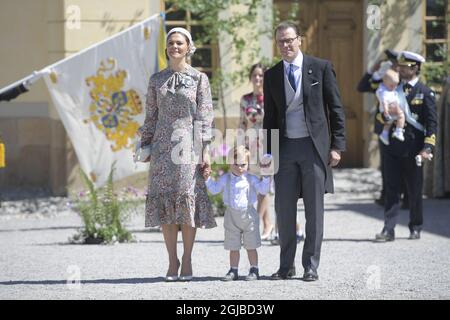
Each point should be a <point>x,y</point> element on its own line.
<point>205,57</point>
<point>435,31</point>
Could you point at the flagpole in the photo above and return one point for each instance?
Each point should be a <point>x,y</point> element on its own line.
<point>18,83</point>
<point>82,51</point>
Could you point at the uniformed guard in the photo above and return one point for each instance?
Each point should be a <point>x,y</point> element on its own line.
<point>369,83</point>
<point>400,157</point>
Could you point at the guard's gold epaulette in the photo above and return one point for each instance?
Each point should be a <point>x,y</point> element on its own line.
<point>431,140</point>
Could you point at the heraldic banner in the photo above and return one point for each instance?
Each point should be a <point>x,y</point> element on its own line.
<point>99,94</point>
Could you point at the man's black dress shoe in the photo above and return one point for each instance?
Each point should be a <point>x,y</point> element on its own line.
<point>414,235</point>
<point>279,275</point>
<point>385,236</point>
<point>310,275</point>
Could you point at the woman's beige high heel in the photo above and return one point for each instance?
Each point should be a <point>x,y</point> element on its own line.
<point>171,278</point>
<point>175,277</point>
<point>266,235</point>
<point>186,277</point>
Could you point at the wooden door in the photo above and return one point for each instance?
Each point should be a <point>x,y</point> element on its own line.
<point>340,40</point>
<point>332,30</point>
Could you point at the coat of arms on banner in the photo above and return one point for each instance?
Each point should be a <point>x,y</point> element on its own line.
<point>112,109</point>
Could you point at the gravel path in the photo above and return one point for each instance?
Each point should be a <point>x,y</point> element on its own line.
<point>36,261</point>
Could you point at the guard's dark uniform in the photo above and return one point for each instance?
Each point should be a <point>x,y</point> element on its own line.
<point>368,84</point>
<point>399,158</point>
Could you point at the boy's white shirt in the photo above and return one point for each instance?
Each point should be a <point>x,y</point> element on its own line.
<point>239,189</point>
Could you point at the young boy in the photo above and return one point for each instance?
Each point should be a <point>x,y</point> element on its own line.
<point>241,221</point>
<point>390,106</point>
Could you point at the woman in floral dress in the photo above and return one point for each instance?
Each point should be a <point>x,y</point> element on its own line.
<point>178,108</point>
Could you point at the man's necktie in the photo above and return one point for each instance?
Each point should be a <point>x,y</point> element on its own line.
<point>407,88</point>
<point>291,77</point>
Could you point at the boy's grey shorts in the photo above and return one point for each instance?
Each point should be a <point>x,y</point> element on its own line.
<point>241,227</point>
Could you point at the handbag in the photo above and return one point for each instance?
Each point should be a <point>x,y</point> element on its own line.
<point>142,153</point>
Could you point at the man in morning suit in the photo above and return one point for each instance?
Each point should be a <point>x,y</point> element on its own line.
<point>302,101</point>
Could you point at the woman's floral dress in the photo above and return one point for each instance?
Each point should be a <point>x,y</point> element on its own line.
<point>178,106</point>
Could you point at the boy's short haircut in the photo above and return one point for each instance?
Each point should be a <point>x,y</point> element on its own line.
<point>239,155</point>
<point>391,75</point>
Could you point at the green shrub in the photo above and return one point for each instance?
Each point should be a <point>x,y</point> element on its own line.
<point>103,214</point>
